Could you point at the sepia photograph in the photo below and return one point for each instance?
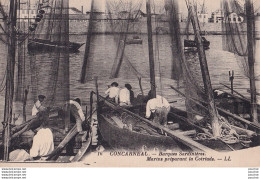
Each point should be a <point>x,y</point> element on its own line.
<point>129,83</point>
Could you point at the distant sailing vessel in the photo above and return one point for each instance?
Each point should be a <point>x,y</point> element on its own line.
<point>48,32</point>
<point>48,45</point>
<point>192,43</point>
<point>134,40</point>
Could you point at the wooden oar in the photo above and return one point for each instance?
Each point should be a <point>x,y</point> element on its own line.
<point>235,92</point>
<point>82,150</point>
<point>55,154</point>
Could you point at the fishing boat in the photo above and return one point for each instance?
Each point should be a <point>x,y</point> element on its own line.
<point>46,36</point>
<point>18,136</point>
<point>244,47</point>
<point>127,128</point>
<point>49,46</point>
<point>192,43</point>
<point>134,40</point>
<point>123,129</point>
<point>236,104</point>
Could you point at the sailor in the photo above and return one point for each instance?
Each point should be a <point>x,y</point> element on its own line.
<point>77,112</point>
<point>42,142</point>
<point>124,96</point>
<point>157,109</point>
<point>132,95</point>
<point>113,92</point>
<point>38,106</point>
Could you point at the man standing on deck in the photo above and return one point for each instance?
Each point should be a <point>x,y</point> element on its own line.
<point>113,92</point>
<point>124,96</point>
<point>42,142</point>
<point>159,108</point>
<point>38,105</point>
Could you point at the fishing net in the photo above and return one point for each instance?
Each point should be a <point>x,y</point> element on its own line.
<point>235,39</point>
<point>189,63</point>
<point>46,72</point>
<point>123,19</point>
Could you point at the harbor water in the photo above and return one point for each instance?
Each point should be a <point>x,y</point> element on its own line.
<point>103,52</point>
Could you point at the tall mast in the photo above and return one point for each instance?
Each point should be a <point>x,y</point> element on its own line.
<point>150,48</point>
<point>88,42</point>
<point>9,92</point>
<point>251,59</point>
<point>205,73</point>
<point>176,47</point>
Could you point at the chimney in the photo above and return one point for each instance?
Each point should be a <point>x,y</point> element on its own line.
<point>82,10</point>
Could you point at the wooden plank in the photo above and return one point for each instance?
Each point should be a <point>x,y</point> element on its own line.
<point>118,122</point>
<point>255,125</point>
<point>82,150</point>
<point>186,133</point>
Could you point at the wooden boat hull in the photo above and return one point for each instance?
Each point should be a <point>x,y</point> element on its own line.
<point>134,41</point>
<point>125,139</point>
<point>183,136</point>
<point>235,105</point>
<point>192,43</point>
<point>46,45</point>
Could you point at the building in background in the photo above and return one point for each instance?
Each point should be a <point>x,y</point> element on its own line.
<point>218,17</point>
<point>203,17</point>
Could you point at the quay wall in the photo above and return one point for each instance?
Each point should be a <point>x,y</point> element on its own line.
<point>138,27</point>
<point>80,27</point>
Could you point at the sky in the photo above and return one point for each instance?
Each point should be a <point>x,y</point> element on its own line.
<point>211,5</point>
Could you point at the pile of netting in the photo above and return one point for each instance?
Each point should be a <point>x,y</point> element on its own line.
<point>228,134</point>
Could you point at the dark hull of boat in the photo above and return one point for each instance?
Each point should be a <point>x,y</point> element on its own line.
<point>192,43</point>
<point>40,45</point>
<point>119,137</point>
<point>134,41</point>
<point>125,139</point>
<point>236,105</point>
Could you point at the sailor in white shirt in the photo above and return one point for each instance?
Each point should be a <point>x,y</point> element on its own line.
<point>124,96</point>
<point>113,92</point>
<point>159,107</point>
<point>38,105</point>
<point>42,142</point>
<point>77,112</point>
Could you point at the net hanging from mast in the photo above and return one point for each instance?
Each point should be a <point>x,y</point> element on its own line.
<point>190,66</point>
<point>123,16</point>
<point>49,71</point>
<point>235,39</point>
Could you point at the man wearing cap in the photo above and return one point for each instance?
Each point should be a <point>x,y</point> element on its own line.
<point>124,96</point>
<point>38,105</point>
<point>113,92</point>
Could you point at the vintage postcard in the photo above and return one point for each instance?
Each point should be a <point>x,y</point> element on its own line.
<point>130,83</point>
